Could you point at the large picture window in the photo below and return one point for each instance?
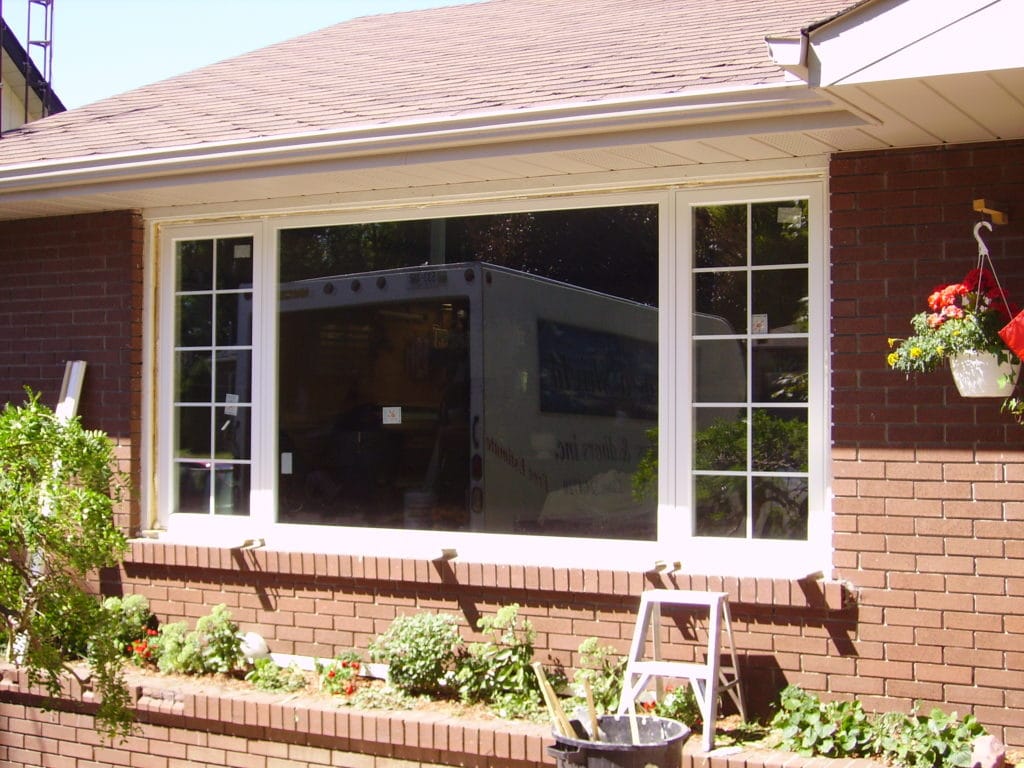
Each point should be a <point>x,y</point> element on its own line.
<point>491,373</point>
<point>644,373</point>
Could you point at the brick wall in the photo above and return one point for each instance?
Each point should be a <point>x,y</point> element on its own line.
<point>929,519</point>
<point>928,512</point>
<point>72,290</point>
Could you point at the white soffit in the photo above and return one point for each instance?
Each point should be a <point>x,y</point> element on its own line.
<point>900,39</point>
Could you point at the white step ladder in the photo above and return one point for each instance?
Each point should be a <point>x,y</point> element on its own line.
<point>708,680</point>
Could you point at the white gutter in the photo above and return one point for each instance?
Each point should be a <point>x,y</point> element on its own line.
<point>707,107</point>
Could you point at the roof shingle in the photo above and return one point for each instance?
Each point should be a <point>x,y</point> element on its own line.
<point>500,56</point>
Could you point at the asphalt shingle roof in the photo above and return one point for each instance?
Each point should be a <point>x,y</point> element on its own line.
<point>500,56</point>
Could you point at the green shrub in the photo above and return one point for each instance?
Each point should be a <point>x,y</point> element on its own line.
<point>384,696</point>
<point>173,652</point>
<point>213,647</point>
<point>132,617</point>
<point>58,487</point>
<point>216,635</point>
<point>420,651</point>
<point>499,672</point>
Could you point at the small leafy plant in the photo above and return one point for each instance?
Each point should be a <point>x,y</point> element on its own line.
<point>812,727</point>
<point>420,651</point>
<point>602,666</point>
<point>937,741</point>
<point>132,617</point>
<point>141,652</point>
<point>268,675</point>
<point>340,676</point>
<point>498,672</point>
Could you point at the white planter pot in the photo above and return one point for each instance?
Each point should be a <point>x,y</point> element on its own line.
<point>980,374</point>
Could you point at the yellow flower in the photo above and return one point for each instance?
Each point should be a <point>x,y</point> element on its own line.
<point>916,352</point>
<point>891,359</point>
<point>891,342</point>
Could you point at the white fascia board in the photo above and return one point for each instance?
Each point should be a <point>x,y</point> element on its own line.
<point>753,106</point>
<point>899,39</point>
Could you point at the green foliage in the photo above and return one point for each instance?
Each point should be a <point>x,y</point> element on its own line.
<point>58,487</point>
<point>211,648</point>
<point>812,727</point>
<point>809,726</point>
<point>172,651</point>
<point>680,704</point>
<point>217,637</point>
<point>498,672</point>
<point>131,616</point>
<point>268,675</point>
<point>645,478</point>
<point>962,317</point>
<point>340,676</point>
<point>384,696</point>
<point>927,348</point>
<point>420,652</point>
<point>937,741</point>
<point>603,667</point>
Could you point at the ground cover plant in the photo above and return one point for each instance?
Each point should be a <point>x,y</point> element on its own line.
<point>805,724</point>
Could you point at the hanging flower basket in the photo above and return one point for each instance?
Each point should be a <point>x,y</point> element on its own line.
<point>983,374</point>
<point>970,324</point>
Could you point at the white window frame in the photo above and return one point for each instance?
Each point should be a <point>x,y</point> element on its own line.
<point>698,555</point>
<point>747,556</point>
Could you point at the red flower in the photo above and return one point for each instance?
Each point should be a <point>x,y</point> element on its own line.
<point>979,280</point>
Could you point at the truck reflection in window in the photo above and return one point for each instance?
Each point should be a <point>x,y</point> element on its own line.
<point>428,397</point>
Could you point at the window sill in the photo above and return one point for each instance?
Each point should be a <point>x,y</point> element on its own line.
<point>809,592</point>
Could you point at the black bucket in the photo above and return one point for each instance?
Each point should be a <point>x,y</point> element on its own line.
<point>659,743</point>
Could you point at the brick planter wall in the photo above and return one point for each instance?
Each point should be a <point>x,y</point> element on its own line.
<point>929,519</point>
<point>203,728</point>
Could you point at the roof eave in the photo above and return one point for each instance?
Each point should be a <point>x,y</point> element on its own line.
<point>681,111</point>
